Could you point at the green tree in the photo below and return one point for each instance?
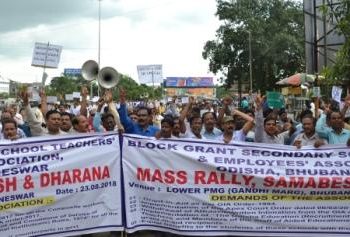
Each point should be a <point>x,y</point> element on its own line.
<point>60,86</point>
<point>135,91</point>
<point>4,95</point>
<point>277,41</point>
<point>339,72</point>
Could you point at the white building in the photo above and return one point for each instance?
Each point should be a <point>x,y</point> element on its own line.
<point>4,85</point>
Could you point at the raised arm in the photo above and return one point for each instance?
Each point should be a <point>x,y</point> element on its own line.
<point>259,119</point>
<point>249,124</point>
<point>226,101</point>
<point>123,113</point>
<point>35,125</point>
<point>322,128</point>
<point>346,106</point>
<point>97,118</point>
<point>187,108</point>
<point>112,109</point>
<point>83,105</point>
<point>43,101</point>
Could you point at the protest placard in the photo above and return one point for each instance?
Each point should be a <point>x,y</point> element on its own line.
<point>60,187</point>
<point>206,188</point>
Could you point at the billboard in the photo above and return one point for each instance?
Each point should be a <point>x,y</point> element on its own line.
<point>196,82</point>
<point>72,72</point>
<point>322,40</point>
<point>203,92</point>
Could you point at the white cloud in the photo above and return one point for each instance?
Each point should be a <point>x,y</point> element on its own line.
<point>172,33</point>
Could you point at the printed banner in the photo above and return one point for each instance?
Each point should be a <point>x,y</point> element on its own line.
<point>72,72</point>
<point>150,73</point>
<point>46,55</point>
<point>204,92</point>
<point>189,82</point>
<point>203,188</point>
<point>60,186</point>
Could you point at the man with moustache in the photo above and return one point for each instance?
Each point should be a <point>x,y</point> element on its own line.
<point>53,120</point>
<point>196,128</point>
<point>209,130</point>
<point>335,133</point>
<point>9,129</point>
<point>141,127</point>
<point>308,136</point>
<point>66,124</point>
<point>230,134</point>
<point>80,124</point>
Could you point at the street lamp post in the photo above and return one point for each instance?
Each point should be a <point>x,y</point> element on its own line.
<point>99,42</point>
<point>250,63</point>
<point>98,50</point>
<point>99,32</point>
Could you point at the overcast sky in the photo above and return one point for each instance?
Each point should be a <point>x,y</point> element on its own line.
<point>133,32</point>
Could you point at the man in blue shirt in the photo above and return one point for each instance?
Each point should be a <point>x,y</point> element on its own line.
<point>142,126</point>
<point>335,133</point>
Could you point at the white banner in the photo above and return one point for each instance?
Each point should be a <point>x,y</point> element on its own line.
<point>52,99</point>
<point>69,97</point>
<point>197,188</point>
<point>60,187</point>
<point>46,55</point>
<point>336,93</point>
<point>76,94</point>
<point>150,73</point>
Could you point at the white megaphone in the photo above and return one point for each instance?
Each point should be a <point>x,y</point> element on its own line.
<point>108,77</point>
<point>89,70</point>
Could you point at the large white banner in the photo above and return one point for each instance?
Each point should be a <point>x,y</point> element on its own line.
<point>150,73</point>
<point>60,186</point>
<point>46,55</point>
<point>203,188</point>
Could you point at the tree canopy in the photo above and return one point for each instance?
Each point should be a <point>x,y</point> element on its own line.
<point>277,41</point>
<point>59,86</point>
<point>340,70</point>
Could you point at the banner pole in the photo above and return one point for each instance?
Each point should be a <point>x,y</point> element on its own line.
<point>44,76</point>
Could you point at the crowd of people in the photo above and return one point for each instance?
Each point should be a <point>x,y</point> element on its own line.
<point>254,122</point>
<point>203,120</point>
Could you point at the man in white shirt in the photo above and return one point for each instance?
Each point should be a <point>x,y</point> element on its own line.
<point>53,120</point>
<point>196,128</point>
<point>309,136</point>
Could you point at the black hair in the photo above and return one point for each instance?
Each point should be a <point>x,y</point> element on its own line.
<point>270,117</point>
<point>48,114</point>
<point>248,111</point>
<point>208,112</point>
<point>75,121</point>
<point>266,112</point>
<point>168,120</point>
<point>106,115</point>
<point>304,113</point>
<point>333,111</point>
<point>67,114</point>
<point>282,111</point>
<point>310,116</point>
<point>144,108</point>
<point>8,120</point>
<point>194,117</point>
